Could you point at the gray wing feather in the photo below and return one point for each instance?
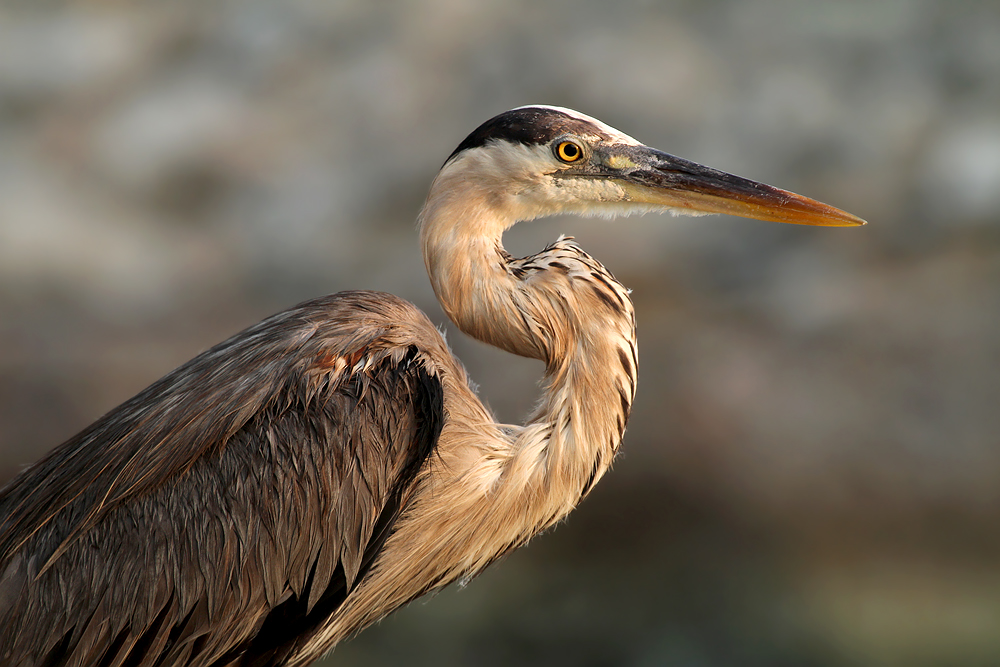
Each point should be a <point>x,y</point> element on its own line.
<point>225,512</point>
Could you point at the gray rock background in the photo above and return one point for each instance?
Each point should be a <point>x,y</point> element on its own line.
<point>812,471</point>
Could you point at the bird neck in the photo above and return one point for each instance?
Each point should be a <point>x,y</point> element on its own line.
<point>506,483</point>
<point>560,306</point>
<point>468,268</point>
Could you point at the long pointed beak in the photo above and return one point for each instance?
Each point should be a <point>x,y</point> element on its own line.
<point>650,176</point>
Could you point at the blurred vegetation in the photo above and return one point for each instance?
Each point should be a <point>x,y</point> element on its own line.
<point>812,470</point>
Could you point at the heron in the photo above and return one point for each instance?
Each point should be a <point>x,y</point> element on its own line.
<point>309,475</point>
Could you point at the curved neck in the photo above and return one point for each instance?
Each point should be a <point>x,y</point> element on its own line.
<point>461,241</point>
<point>489,487</point>
<point>560,306</point>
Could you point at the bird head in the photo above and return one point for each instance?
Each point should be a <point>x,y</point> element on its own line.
<point>538,161</point>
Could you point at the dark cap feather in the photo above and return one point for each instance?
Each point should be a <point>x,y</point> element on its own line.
<point>529,126</point>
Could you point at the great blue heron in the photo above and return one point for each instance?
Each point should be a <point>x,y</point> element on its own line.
<point>316,471</point>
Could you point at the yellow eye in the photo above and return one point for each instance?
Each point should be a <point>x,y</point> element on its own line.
<point>569,151</point>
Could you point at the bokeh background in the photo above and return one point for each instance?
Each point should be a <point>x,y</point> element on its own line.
<point>811,474</point>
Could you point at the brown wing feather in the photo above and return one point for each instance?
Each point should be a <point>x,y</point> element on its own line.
<point>225,512</point>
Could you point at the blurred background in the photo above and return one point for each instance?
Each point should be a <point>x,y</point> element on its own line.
<point>811,475</point>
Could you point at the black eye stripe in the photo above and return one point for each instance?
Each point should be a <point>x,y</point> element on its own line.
<point>530,126</point>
